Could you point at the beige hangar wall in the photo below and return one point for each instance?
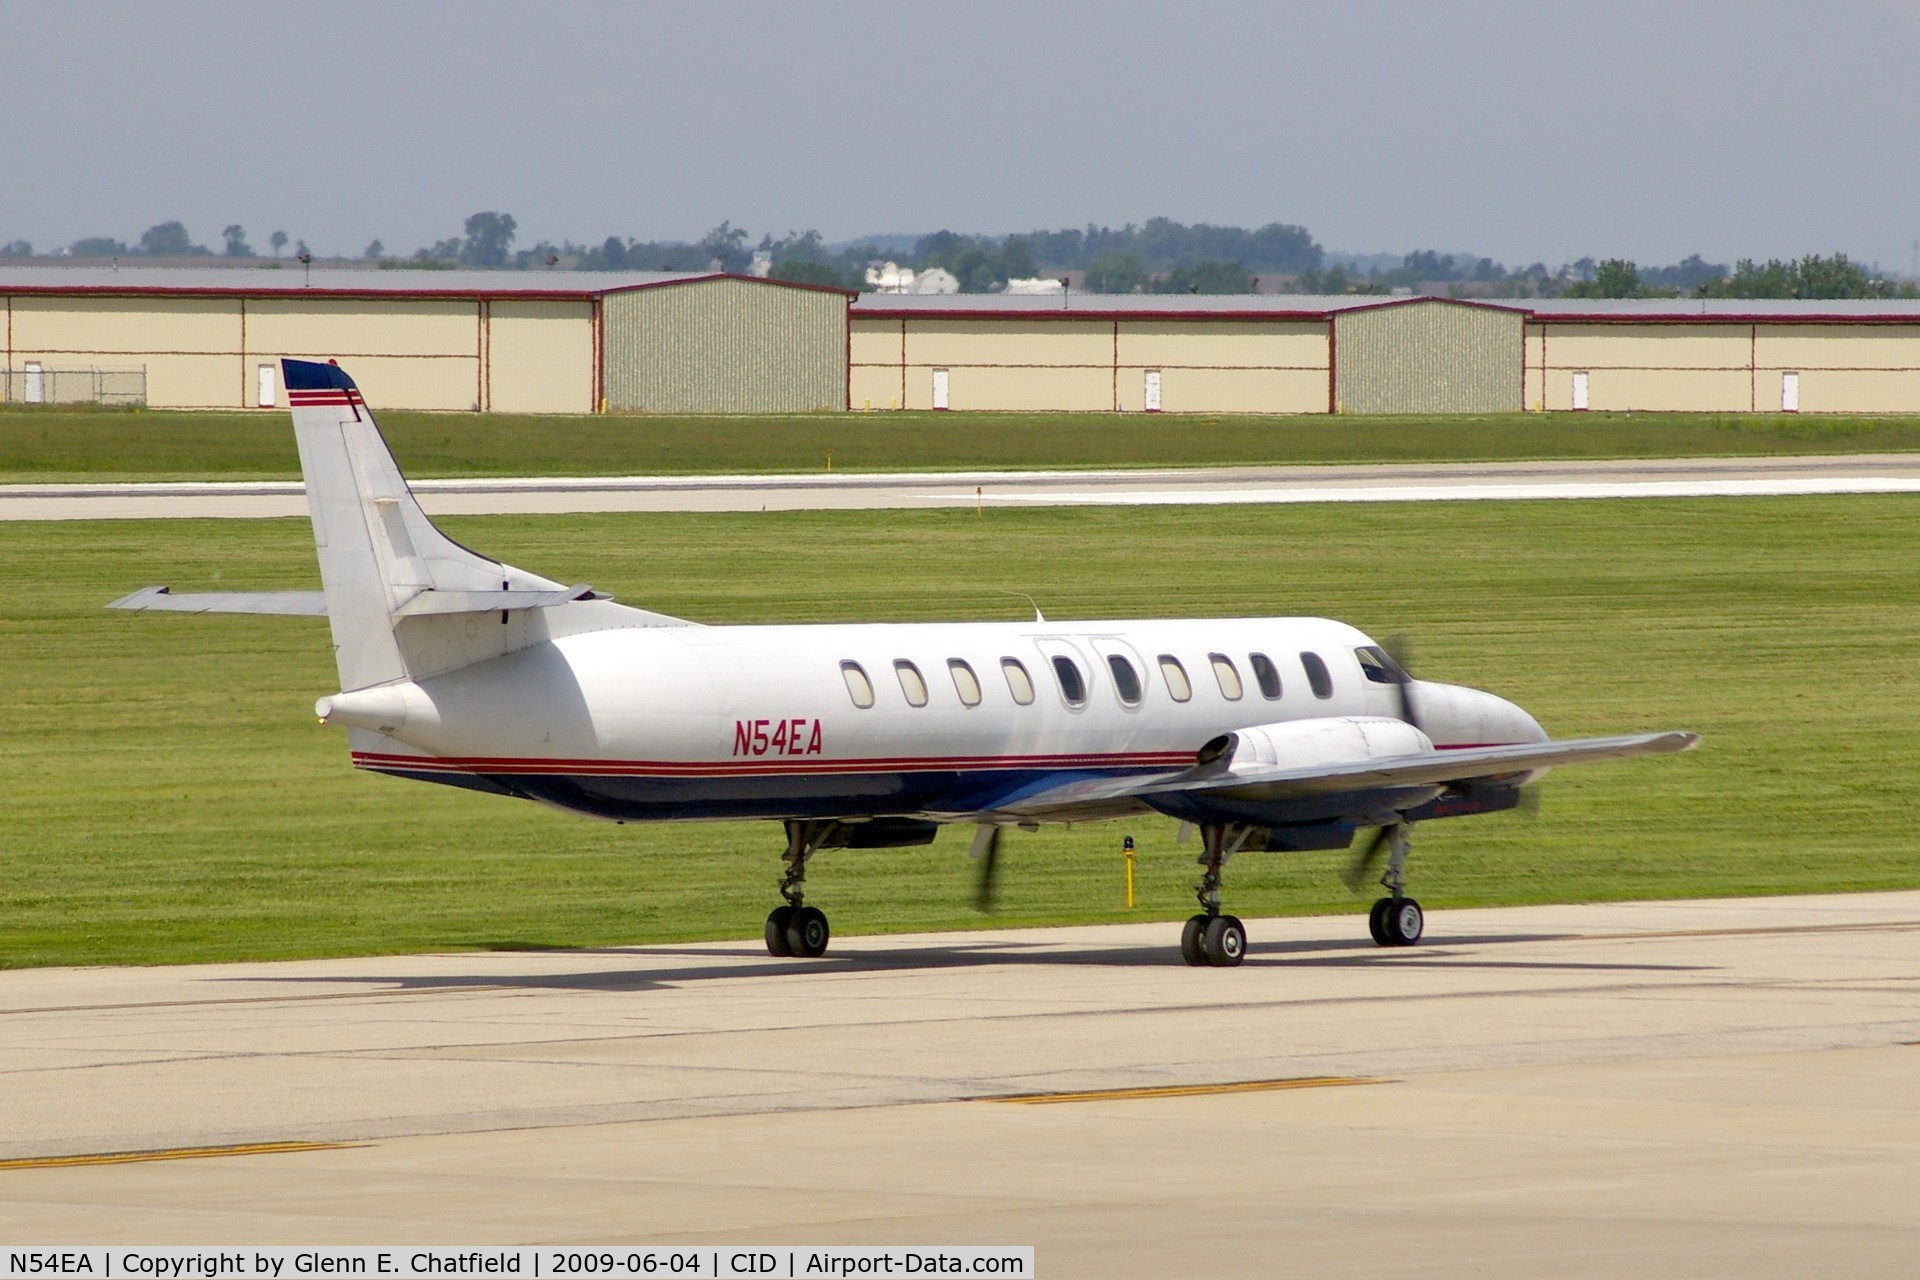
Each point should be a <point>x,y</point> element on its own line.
<point>1089,364</point>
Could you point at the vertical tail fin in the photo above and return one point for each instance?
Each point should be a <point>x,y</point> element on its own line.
<point>378,550</point>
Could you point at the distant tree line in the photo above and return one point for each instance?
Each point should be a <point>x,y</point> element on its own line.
<point>1157,256</point>
<point>162,240</point>
<point>1813,276</point>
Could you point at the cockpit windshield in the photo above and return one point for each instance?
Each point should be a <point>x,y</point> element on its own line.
<point>1378,665</point>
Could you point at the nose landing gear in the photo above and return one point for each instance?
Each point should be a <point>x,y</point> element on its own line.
<point>1396,921</point>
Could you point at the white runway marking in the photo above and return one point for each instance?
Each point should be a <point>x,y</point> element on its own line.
<point>1780,487</point>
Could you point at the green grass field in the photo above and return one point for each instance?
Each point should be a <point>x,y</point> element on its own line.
<point>87,444</point>
<point>169,798</point>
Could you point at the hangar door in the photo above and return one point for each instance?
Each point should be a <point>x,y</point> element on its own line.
<point>1431,356</point>
<point>724,345</point>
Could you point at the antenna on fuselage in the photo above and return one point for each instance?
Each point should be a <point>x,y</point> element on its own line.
<point>1037,615</point>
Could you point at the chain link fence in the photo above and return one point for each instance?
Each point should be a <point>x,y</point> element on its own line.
<point>35,384</point>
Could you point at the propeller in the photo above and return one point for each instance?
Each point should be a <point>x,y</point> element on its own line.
<point>986,848</point>
<point>1361,869</point>
<point>1400,650</point>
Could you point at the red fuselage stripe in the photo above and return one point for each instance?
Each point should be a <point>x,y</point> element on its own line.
<point>765,765</point>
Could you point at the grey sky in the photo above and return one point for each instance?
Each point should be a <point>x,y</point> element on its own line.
<point>1527,130</point>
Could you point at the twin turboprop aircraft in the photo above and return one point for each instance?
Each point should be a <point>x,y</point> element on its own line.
<point>1262,733</point>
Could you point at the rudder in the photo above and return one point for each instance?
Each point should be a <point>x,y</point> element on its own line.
<point>378,550</point>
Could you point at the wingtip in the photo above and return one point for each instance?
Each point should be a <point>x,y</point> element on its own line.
<point>138,599</point>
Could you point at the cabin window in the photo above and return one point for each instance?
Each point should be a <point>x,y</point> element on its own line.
<point>1228,676</point>
<point>965,683</point>
<point>1126,681</point>
<point>1019,683</point>
<point>859,688</point>
<point>1178,686</point>
<point>1378,666</point>
<point>911,683</point>
<point>1266,675</point>
<point>1073,685</point>
<point>1319,679</point>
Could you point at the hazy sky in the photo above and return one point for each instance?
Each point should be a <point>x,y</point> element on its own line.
<point>1527,131</point>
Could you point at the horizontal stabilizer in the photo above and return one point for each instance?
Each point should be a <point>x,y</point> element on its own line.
<point>298,604</point>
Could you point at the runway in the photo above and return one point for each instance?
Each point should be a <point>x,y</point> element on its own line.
<point>1683,477</point>
<point>1695,1088</point>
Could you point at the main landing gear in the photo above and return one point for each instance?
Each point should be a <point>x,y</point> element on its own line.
<point>1212,938</point>
<point>796,929</point>
<point>1396,921</point>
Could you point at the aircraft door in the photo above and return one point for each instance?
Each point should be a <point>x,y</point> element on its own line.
<point>1068,671</point>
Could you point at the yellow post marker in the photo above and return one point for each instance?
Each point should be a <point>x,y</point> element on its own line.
<point>1127,844</point>
<point>829,459</point>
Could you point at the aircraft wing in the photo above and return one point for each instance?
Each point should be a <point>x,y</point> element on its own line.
<point>1439,768</point>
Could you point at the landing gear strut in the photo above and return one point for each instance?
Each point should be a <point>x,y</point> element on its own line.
<point>1211,938</point>
<point>1396,921</point>
<point>796,929</point>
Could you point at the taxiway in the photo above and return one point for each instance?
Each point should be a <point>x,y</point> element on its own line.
<point>1670,478</point>
<point>1687,1088</point>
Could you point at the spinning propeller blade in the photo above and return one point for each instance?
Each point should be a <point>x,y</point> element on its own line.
<point>1400,650</point>
<point>1360,870</point>
<point>986,847</point>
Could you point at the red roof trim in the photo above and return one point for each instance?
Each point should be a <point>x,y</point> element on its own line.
<point>294,291</point>
<point>279,290</point>
<point>733,275</point>
<point>963,313</point>
<point>1761,317</point>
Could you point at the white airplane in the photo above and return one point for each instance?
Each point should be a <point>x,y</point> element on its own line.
<point>1263,733</point>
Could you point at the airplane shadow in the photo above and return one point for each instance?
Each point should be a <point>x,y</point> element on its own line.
<point>749,961</point>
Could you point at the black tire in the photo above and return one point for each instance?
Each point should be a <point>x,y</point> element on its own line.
<point>777,921</point>
<point>1193,947</point>
<point>1377,922</point>
<point>1405,922</point>
<point>1225,942</point>
<point>807,932</point>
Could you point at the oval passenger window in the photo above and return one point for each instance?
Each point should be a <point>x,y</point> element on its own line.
<point>1019,683</point>
<point>1178,687</point>
<point>1073,685</point>
<point>1265,674</point>
<point>859,688</point>
<point>1229,678</point>
<point>1318,678</point>
<point>1126,681</point>
<point>911,683</point>
<point>965,683</point>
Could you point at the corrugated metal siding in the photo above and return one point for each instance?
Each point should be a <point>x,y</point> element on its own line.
<point>725,346</point>
<point>1427,357</point>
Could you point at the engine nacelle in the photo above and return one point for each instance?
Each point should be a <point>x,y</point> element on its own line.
<point>1310,743</point>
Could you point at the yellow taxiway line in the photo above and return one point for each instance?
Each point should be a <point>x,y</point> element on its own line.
<point>174,1153</point>
<point>1181,1090</point>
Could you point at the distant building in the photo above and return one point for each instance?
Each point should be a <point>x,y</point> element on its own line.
<point>891,277</point>
<point>505,341</point>
<point>581,342</point>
